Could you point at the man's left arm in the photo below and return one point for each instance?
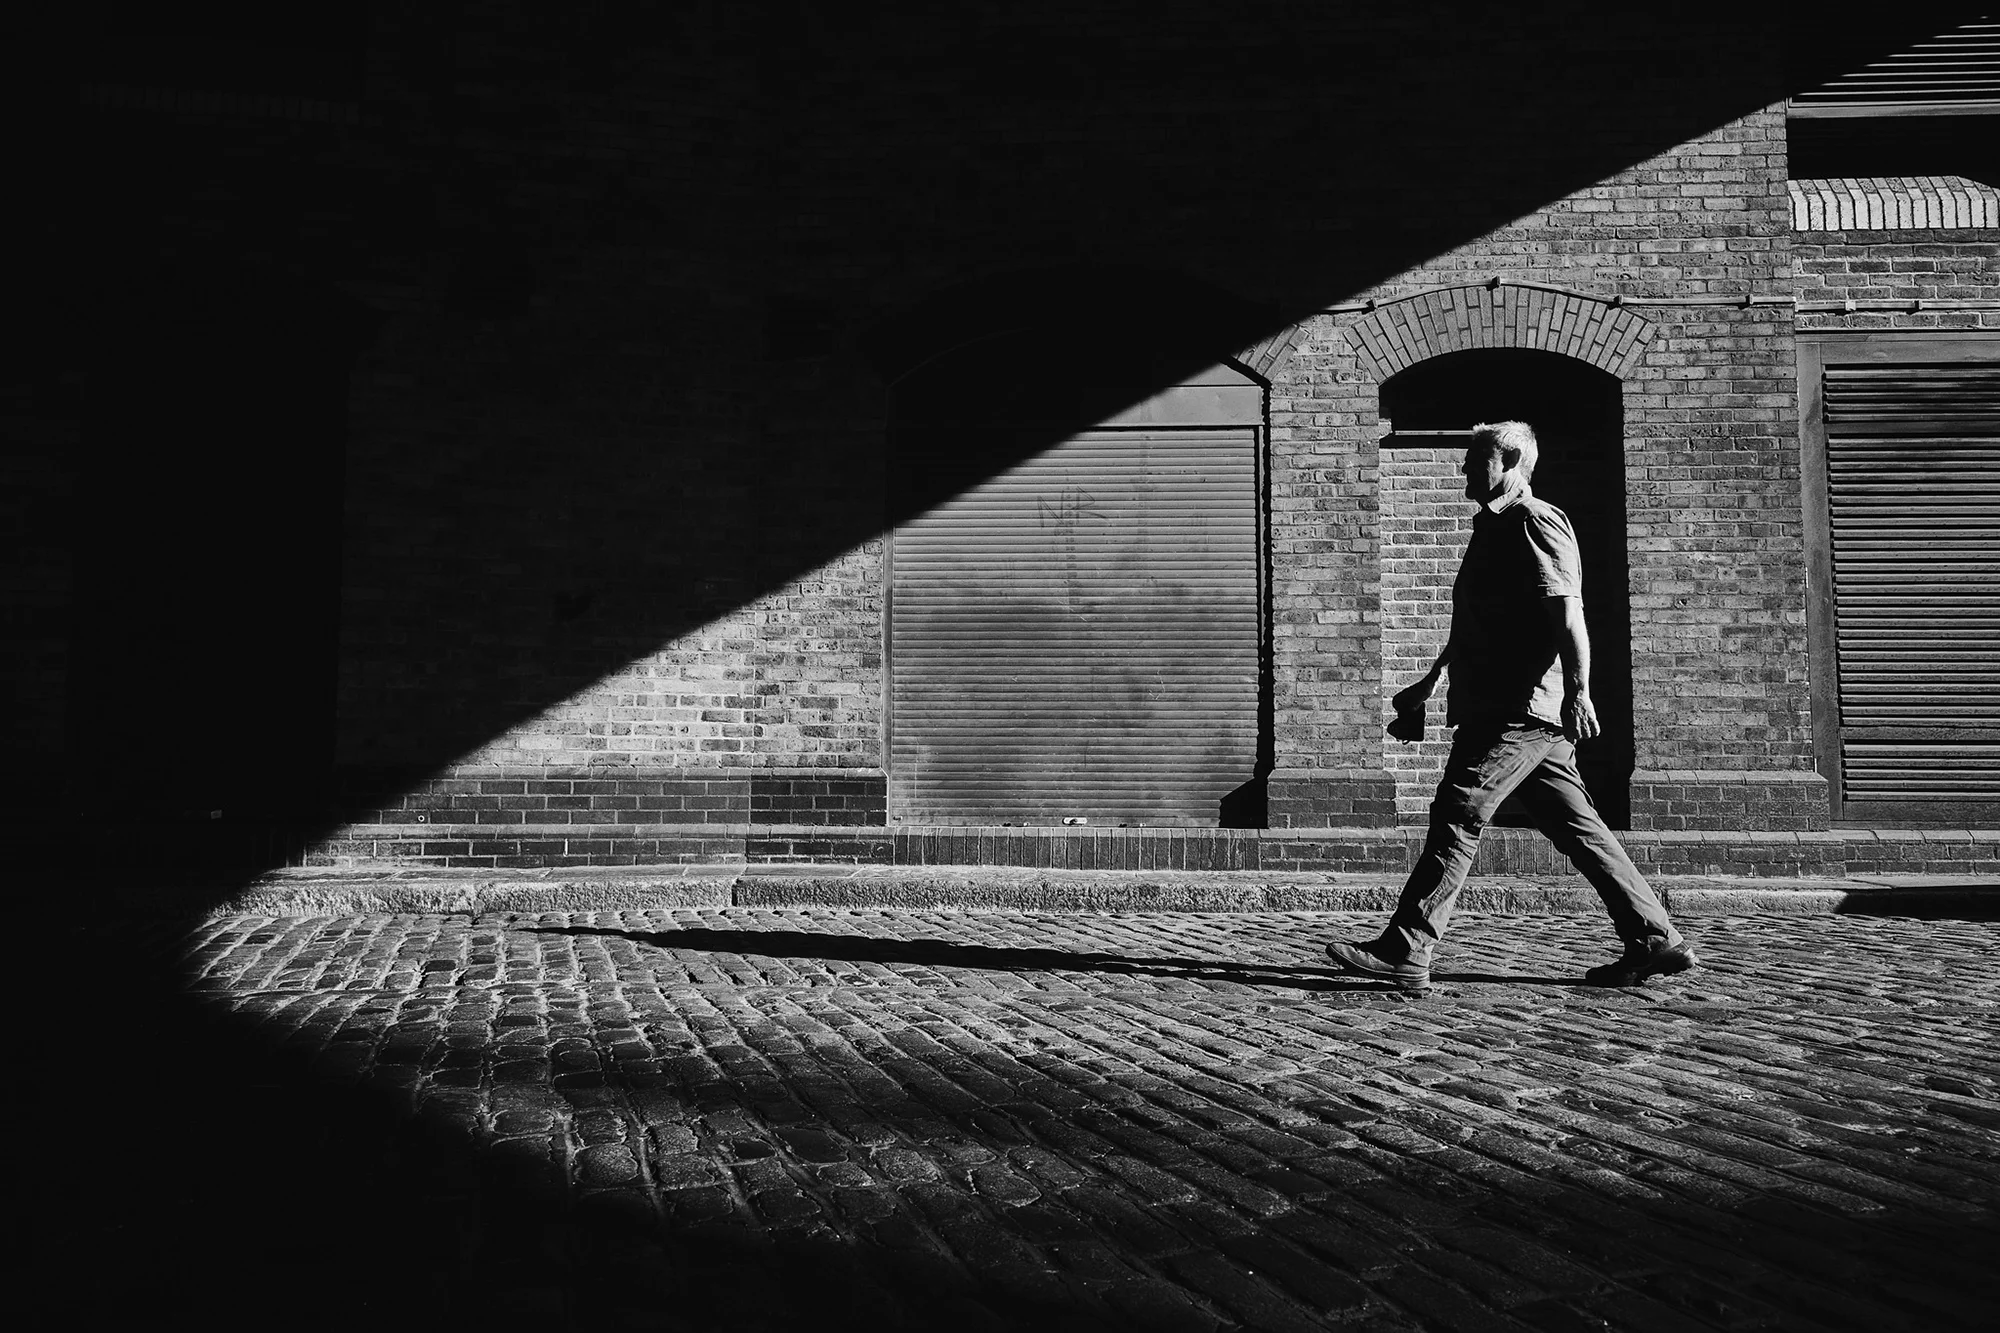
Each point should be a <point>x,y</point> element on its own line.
<point>1565,617</point>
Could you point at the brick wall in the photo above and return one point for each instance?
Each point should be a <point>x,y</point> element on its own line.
<point>500,799</point>
<point>1718,581</point>
<point>1326,594</point>
<point>1896,265</point>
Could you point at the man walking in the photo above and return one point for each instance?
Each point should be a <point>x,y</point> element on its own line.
<point>1520,700</point>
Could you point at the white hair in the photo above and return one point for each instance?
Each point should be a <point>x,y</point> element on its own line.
<point>1513,440</point>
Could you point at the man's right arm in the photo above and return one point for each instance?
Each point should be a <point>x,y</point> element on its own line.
<point>1412,696</point>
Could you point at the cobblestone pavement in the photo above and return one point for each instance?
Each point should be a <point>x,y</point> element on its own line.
<point>751,1119</point>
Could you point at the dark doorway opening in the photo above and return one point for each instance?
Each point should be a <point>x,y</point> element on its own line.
<point>1578,416</point>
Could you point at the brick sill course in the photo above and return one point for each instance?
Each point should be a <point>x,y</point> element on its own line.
<point>1356,850</point>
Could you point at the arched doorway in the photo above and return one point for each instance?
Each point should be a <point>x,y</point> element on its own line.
<point>1075,629</point>
<point>1577,413</point>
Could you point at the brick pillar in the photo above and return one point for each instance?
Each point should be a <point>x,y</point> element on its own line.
<point>1325,589</point>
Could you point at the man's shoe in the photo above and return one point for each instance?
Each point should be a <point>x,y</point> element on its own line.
<point>1642,961</point>
<point>1363,961</point>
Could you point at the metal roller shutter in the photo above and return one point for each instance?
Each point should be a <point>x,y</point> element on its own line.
<point>1078,637</point>
<point>1913,485</point>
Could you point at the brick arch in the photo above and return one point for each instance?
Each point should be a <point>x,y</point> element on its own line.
<point>1263,358</point>
<point>1398,334</point>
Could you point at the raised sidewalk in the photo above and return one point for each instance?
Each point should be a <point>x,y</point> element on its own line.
<point>401,887</point>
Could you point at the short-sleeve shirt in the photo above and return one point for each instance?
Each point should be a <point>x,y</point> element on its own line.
<point>1506,664</point>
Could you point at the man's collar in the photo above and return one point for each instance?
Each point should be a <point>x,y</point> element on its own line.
<point>1514,489</point>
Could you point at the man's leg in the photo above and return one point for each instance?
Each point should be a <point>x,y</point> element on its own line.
<point>1486,764</point>
<point>1555,795</point>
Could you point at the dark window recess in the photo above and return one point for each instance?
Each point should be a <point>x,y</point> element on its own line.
<point>1075,627</point>
<point>1870,147</point>
<point>1913,491</point>
<point>1926,106</point>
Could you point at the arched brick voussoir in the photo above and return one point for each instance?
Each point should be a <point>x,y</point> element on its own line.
<point>1264,358</point>
<point>1401,332</point>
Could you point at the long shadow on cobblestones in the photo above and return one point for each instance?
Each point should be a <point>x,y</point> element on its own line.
<point>950,953</point>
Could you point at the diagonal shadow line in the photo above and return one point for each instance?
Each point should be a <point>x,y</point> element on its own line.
<point>949,953</point>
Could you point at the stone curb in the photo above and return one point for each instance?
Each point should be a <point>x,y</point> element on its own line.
<point>1002,888</point>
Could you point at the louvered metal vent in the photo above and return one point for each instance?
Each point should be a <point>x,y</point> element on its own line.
<point>1955,72</point>
<point>1913,470</point>
<point>1078,638</point>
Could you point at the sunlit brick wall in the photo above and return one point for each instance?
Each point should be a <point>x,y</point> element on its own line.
<point>1896,265</point>
<point>1326,596</point>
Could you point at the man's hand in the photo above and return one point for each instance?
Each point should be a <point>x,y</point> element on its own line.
<point>1579,717</point>
<point>1408,726</point>
<point>1410,699</point>
<point>1409,706</point>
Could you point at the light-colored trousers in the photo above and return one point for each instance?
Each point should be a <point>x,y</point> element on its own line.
<point>1488,763</point>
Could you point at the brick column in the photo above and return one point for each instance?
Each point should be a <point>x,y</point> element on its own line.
<point>1325,588</point>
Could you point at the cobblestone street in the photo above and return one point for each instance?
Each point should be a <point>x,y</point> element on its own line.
<point>760,1119</point>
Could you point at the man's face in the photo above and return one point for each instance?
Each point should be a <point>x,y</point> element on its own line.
<point>1483,472</point>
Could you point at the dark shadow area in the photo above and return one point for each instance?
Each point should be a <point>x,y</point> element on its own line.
<point>315,48</point>
<point>268,1192</point>
<point>297,1188</point>
<point>207,566</point>
<point>1922,905</point>
<point>1249,805</point>
<point>1578,419</point>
